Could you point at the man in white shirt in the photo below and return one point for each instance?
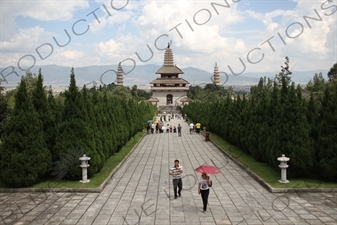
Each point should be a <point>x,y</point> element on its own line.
<point>191,128</point>
<point>176,172</point>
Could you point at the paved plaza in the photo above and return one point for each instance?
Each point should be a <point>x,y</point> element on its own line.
<point>141,192</point>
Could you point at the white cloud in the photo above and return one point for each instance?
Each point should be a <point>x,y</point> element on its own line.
<point>47,10</point>
<point>108,47</point>
<point>71,55</point>
<point>160,17</point>
<point>266,18</point>
<point>140,23</point>
<point>44,10</point>
<point>314,45</point>
<point>15,41</point>
<point>113,51</point>
<point>108,22</point>
<point>23,41</point>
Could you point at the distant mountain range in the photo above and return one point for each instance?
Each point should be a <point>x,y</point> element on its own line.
<point>143,74</point>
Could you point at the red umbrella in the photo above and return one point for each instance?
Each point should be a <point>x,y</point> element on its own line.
<point>208,169</point>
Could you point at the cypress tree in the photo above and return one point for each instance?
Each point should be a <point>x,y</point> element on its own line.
<point>292,138</point>
<point>327,130</point>
<point>216,113</point>
<point>24,157</point>
<point>5,111</point>
<point>244,119</point>
<point>44,111</point>
<point>114,135</point>
<point>99,111</point>
<point>91,121</point>
<point>235,127</point>
<point>122,123</point>
<point>253,128</point>
<point>128,117</point>
<point>269,132</point>
<point>312,117</point>
<point>227,121</point>
<point>74,136</point>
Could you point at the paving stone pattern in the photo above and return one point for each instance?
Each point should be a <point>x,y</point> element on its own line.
<point>141,192</point>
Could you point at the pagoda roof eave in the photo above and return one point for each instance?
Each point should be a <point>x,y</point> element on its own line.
<point>169,70</point>
<point>169,81</point>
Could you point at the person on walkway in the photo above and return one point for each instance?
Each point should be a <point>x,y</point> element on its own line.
<point>148,128</point>
<point>174,129</point>
<point>191,128</point>
<point>179,130</point>
<point>176,172</point>
<point>203,189</point>
<point>160,128</point>
<point>197,127</point>
<point>157,128</point>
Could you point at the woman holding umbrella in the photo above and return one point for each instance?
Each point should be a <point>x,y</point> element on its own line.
<point>203,189</point>
<point>205,182</point>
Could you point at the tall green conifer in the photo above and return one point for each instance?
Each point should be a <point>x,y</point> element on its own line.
<point>326,146</point>
<point>24,157</point>
<point>74,134</point>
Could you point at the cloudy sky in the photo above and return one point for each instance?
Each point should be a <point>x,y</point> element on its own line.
<point>246,35</point>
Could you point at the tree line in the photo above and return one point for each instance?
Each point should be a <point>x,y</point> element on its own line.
<point>277,118</point>
<point>42,134</point>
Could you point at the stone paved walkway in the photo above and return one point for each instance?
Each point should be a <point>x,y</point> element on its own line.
<point>141,193</point>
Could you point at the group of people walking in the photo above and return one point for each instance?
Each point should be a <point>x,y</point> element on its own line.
<point>195,128</point>
<point>161,128</point>
<point>164,117</point>
<point>204,184</point>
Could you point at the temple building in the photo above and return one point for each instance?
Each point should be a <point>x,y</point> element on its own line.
<point>169,88</point>
<point>216,76</point>
<point>119,75</point>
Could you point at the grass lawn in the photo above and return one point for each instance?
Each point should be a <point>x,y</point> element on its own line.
<point>264,171</point>
<point>97,179</point>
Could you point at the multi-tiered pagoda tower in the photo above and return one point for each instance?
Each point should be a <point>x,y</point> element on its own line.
<point>120,75</point>
<point>216,76</point>
<point>169,88</point>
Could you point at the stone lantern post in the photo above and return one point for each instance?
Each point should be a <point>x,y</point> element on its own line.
<point>84,164</point>
<point>283,165</point>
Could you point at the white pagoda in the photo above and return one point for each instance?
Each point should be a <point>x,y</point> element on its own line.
<point>169,88</point>
<point>216,76</point>
<point>119,75</point>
